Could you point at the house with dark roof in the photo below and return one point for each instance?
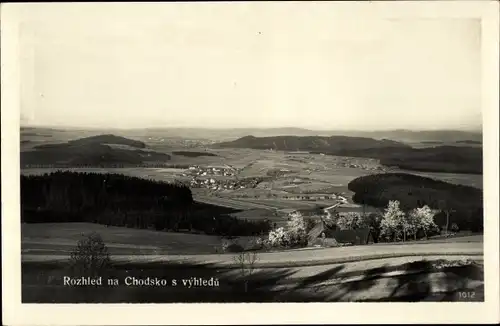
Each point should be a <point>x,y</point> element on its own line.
<point>354,237</point>
<point>321,233</point>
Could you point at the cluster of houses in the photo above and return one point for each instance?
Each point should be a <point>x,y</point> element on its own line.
<point>218,178</point>
<point>201,171</point>
<point>217,184</point>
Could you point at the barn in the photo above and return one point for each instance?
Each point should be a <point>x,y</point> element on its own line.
<point>322,233</point>
<point>354,237</point>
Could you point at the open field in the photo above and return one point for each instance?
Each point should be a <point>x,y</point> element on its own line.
<point>334,170</point>
<point>264,202</point>
<point>394,272</point>
<point>292,258</point>
<point>281,204</point>
<point>48,242</point>
<point>62,237</point>
<point>300,174</point>
<point>231,203</point>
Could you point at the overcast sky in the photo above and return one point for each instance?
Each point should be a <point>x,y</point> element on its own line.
<point>243,65</point>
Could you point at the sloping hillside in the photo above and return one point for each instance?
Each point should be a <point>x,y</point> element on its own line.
<point>451,159</point>
<point>108,139</point>
<point>421,135</point>
<point>97,151</point>
<point>311,143</point>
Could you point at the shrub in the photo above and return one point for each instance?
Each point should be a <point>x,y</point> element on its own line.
<point>266,244</point>
<point>90,257</point>
<point>279,238</point>
<point>455,228</point>
<point>232,247</point>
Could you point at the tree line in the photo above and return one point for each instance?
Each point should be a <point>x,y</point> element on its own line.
<point>462,205</point>
<point>120,200</point>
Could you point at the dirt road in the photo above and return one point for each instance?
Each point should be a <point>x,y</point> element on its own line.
<point>304,257</point>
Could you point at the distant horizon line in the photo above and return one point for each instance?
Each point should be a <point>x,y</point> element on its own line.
<point>472,129</point>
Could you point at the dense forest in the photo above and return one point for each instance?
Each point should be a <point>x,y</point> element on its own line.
<point>119,200</point>
<point>463,204</point>
<point>451,159</point>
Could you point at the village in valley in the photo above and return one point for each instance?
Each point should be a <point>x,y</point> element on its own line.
<point>310,160</point>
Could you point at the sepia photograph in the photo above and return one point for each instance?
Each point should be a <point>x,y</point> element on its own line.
<point>242,152</point>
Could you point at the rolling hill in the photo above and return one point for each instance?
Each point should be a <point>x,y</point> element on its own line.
<point>451,159</point>
<point>311,143</point>
<point>421,135</point>
<point>227,134</point>
<point>401,135</point>
<point>96,151</point>
<point>108,139</point>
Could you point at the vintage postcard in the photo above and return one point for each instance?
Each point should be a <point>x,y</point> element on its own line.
<point>250,162</point>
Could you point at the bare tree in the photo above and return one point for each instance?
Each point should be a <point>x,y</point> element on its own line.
<point>246,263</point>
<point>447,209</point>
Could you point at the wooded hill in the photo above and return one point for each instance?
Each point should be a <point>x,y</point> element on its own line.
<point>119,200</point>
<point>96,151</point>
<point>311,143</point>
<point>463,203</point>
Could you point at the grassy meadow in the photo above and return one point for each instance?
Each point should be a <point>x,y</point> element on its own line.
<point>61,238</point>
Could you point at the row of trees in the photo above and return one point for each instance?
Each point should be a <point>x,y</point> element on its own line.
<point>73,191</point>
<point>397,225</point>
<point>459,204</point>
<point>393,224</point>
<point>119,200</point>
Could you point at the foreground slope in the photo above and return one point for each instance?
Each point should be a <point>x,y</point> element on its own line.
<point>53,242</point>
<point>403,280</point>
